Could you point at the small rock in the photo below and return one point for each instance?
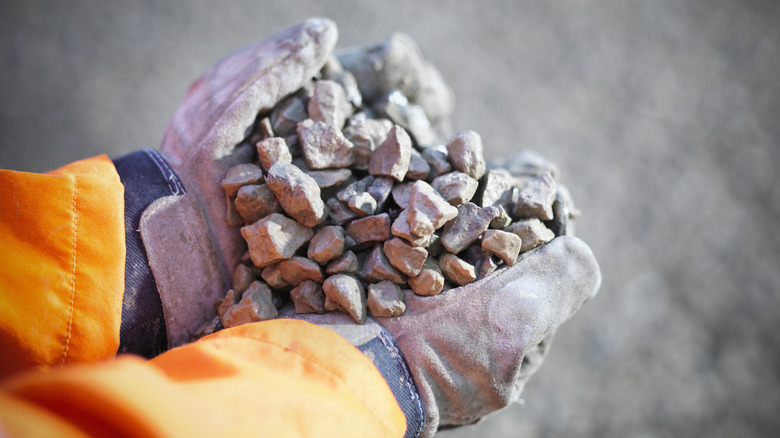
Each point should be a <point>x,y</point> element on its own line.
<point>456,270</point>
<point>272,275</point>
<point>286,116</point>
<point>243,276</point>
<point>346,292</point>
<point>328,103</point>
<point>427,209</point>
<point>333,70</point>
<point>370,229</point>
<point>409,116</point>
<point>467,226</point>
<point>532,233</point>
<point>324,146</point>
<point>346,264</point>
<point>231,298</point>
<point>498,187</point>
<point>405,257</point>
<point>385,299</point>
<point>274,238</point>
<point>365,134</point>
<point>503,244</point>
<point>239,176</point>
<point>502,220</point>
<point>419,168</point>
<point>256,201</point>
<point>401,194</point>
<point>327,244</point>
<point>438,161</point>
<point>401,228</point>
<point>392,156</point>
<point>331,177</point>
<point>297,269</point>
<point>266,129</point>
<point>483,261</point>
<point>232,217</point>
<point>377,268</point>
<point>273,150</point>
<point>465,152</point>
<point>308,297</point>
<point>255,305</point>
<point>564,212</point>
<point>456,187</point>
<point>298,193</point>
<point>435,246</point>
<point>362,203</point>
<point>536,198</point>
<point>338,213</point>
<point>380,189</point>
<point>429,281</point>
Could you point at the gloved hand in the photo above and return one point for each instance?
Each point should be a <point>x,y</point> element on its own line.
<point>191,249</point>
<point>470,350</point>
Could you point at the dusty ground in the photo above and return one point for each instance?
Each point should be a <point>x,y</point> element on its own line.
<point>663,116</point>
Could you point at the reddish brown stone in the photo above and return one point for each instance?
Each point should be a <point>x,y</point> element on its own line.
<point>308,297</point>
<point>427,209</point>
<point>324,146</point>
<point>465,153</point>
<point>467,226</point>
<point>239,176</point>
<point>297,269</point>
<point>328,103</point>
<point>456,187</point>
<point>392,157</point>
<point>346,293</point>
<point>429,281</point>
<point>255,305</point>
<point>271,151</point>
<point>370,229</point>
<point>256,201</point>
<point>346,264</point>
<point>456,270</point>
<point>377,268</point>
<point>274,238</point>
<point>503,244</point>
<point>405,257</point>
<point>385,299</point>
<point>272,275</point>
<point>327,244</point>
<point>298,194</point>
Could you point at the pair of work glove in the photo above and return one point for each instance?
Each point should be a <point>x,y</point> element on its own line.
<point>470,350</point>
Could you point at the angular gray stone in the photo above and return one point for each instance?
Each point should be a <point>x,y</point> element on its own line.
<point>467,226</point>
<point>385,299</point>
<point>401,228</point>
<point>327,244</point>
<point>503,244</point>
<point>346,264</point>
<point>465,153</point>
<point>273,150</point>
<point>328,103</point>
<point>435,246</point>
<point>418,167</point>
<point>331,177</point>
<point>286,115</point>
<point>274,238</point>
<point>239,176</point>
<point>437,160</point>
<point>380,189</point>
<point>297,269</point>
<point>256,201</point>
<point>456,270</point>
<point>536,198</point>
<point>243,276</point>
<point>363,204</point>
<point>374,228</point>
<point>502,220</point>
<point>484,262</point>
<point>339,213</point>
<point>532,233</point>
<point>324,146</point>
<point>405,257</point>
<point>427,209</point>
<point>429,281</point>
<point>298,193</point>
<point>408,115</point>
<point>498,187</point>
<point>564,213</point>
<point>348,295</point>
<point>272,276</point>
<point>308,297</point>
<point>391,158</point>
<point>401,194</point>
<point>376,268</point>
<point>456,187</point>
<point>255,305</point>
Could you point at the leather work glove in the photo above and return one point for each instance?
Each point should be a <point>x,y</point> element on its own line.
<point>191,249</point>
<point>469,350</point>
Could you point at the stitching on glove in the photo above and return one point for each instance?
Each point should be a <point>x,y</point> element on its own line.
<point>169,175</point>
<point>66,348</point>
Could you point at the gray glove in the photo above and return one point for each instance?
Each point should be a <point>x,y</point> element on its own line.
<point>472,349</point>
<point>191,249</point>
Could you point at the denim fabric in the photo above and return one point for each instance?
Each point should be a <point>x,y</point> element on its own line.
<point>387,358</point>
<point>146,177</point>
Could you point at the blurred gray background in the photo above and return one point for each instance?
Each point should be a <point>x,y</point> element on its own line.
<point>664,117</point>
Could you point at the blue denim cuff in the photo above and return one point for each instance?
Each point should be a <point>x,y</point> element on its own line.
<point>146,177</point>
<point>390,362</point>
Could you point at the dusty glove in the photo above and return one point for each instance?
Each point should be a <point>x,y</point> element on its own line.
<point>472,349</point>
<point>191,249</point>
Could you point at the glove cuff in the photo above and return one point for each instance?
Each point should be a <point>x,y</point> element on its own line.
<point>146,177</point>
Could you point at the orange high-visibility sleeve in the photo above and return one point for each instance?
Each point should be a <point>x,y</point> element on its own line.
<point>62,262</point>
<point>272,378</point>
